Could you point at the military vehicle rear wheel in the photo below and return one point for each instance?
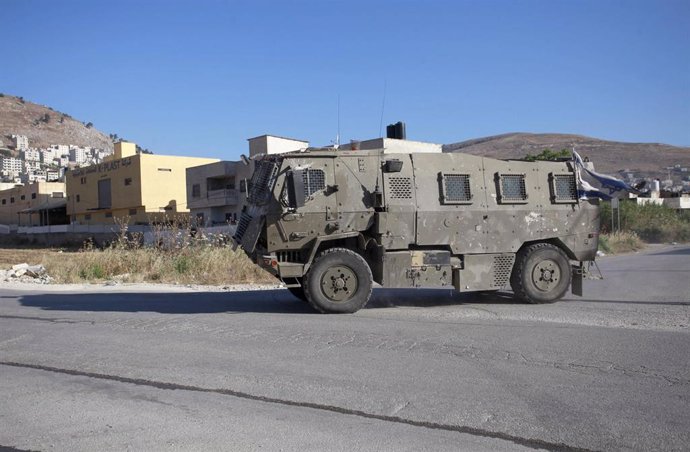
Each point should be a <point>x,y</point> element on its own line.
<point>541,273</point>
<point>339,281</point>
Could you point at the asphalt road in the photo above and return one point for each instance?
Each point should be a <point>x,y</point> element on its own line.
<point>164,368</point>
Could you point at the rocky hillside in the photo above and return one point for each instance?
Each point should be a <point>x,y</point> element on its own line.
<point>648,159</point>
<point>45,126</point>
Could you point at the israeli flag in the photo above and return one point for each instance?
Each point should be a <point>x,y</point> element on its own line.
<point>585,189</point>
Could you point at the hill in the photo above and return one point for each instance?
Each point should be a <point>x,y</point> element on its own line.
<point>645,159</point>
<point>45,126</point>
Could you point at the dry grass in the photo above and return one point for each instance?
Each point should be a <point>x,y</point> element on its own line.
<point>179,256</point>
<point>203,265</point>
<point>620,242</point>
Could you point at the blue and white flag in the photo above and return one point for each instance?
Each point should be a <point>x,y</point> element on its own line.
<point>585,189</point>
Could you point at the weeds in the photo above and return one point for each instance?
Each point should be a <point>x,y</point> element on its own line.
<point>651,223</point>
<point>175,255</point>
<point>620,242</point>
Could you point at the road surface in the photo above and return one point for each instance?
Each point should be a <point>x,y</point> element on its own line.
<point>165,368</point>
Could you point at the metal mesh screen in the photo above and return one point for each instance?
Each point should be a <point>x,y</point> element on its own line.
<point>314,180</point>
<point>242,226</point>
<point>503,265</point>
<point>400,187</point>
<point>564,187</point>
<point>513,187</point>
<point>262,181</point>
<point>457,187</point>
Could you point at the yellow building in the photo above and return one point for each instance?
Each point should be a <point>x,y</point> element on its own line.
<point>141,187</point>
<point>33,204</point>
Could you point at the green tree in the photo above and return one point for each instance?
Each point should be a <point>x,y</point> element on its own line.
<point>548,154</point>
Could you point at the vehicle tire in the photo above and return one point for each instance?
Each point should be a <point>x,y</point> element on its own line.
<point>541,273</point>
<point>339,281</point>
<point>298,292</point>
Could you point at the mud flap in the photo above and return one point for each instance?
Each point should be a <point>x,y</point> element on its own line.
<point>576,280</point>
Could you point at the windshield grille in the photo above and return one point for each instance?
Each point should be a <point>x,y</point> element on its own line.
<point>242,226</point>
<point>262,181</point>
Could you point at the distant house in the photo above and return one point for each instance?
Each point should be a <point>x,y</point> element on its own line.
<point>216,191</point>
<point>33,204</point>
<point>137,187</point>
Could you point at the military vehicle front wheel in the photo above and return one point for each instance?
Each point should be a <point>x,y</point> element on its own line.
<point>541,273</point>
<point>339,281</point>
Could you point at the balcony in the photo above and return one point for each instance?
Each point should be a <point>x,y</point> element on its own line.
<point>215,198</point>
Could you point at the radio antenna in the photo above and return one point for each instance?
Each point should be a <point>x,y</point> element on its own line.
<point>383,106</point>
<point>337,136</point>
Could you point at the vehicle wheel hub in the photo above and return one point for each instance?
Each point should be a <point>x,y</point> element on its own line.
<point>546,275</point>
<point>339,283</point>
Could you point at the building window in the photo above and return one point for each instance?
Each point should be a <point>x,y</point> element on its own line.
<point>511,188</point>
<point>83,180</point>
<point>12,200</point>
<point>78,198</point>
<point>243,186</point>
<point>165,169</point>
<point>132,211</point>
<point>108,214</point>
<point>4,201</point>
<point>87,217</point>
<point>196,191</point>
<point>128,181</point>
<point>33,195</point>
<point>23,197</point>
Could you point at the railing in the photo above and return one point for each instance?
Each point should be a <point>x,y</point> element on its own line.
<point>214,198</point>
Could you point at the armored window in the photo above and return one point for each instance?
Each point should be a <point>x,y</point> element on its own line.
<point>455,189</point>
<point>314,180</point>
<point>512,188</point>
<point>563,188</point>
<point>196,191</point>
<point>400,188</point>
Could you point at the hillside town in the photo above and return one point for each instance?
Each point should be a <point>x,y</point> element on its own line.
<point>45,164</point>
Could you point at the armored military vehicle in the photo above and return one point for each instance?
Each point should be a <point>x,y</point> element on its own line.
<point>329,223</point>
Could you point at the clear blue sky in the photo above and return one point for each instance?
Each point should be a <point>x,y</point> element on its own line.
<point>200,77</point>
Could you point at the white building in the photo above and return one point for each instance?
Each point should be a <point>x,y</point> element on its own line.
<point>33,155</point>
<point>21,142</point>
<point>48,155</point>
<point>271,144</point>
<point>78,155</point>
<point>53,175</point>
<point>10,165</point>
<point>31,165</point>
<point>60,149</point>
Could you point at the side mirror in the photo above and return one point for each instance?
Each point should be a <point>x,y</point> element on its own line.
<point>295,187</point>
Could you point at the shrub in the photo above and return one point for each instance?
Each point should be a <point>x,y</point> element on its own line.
<point>651,223</point>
